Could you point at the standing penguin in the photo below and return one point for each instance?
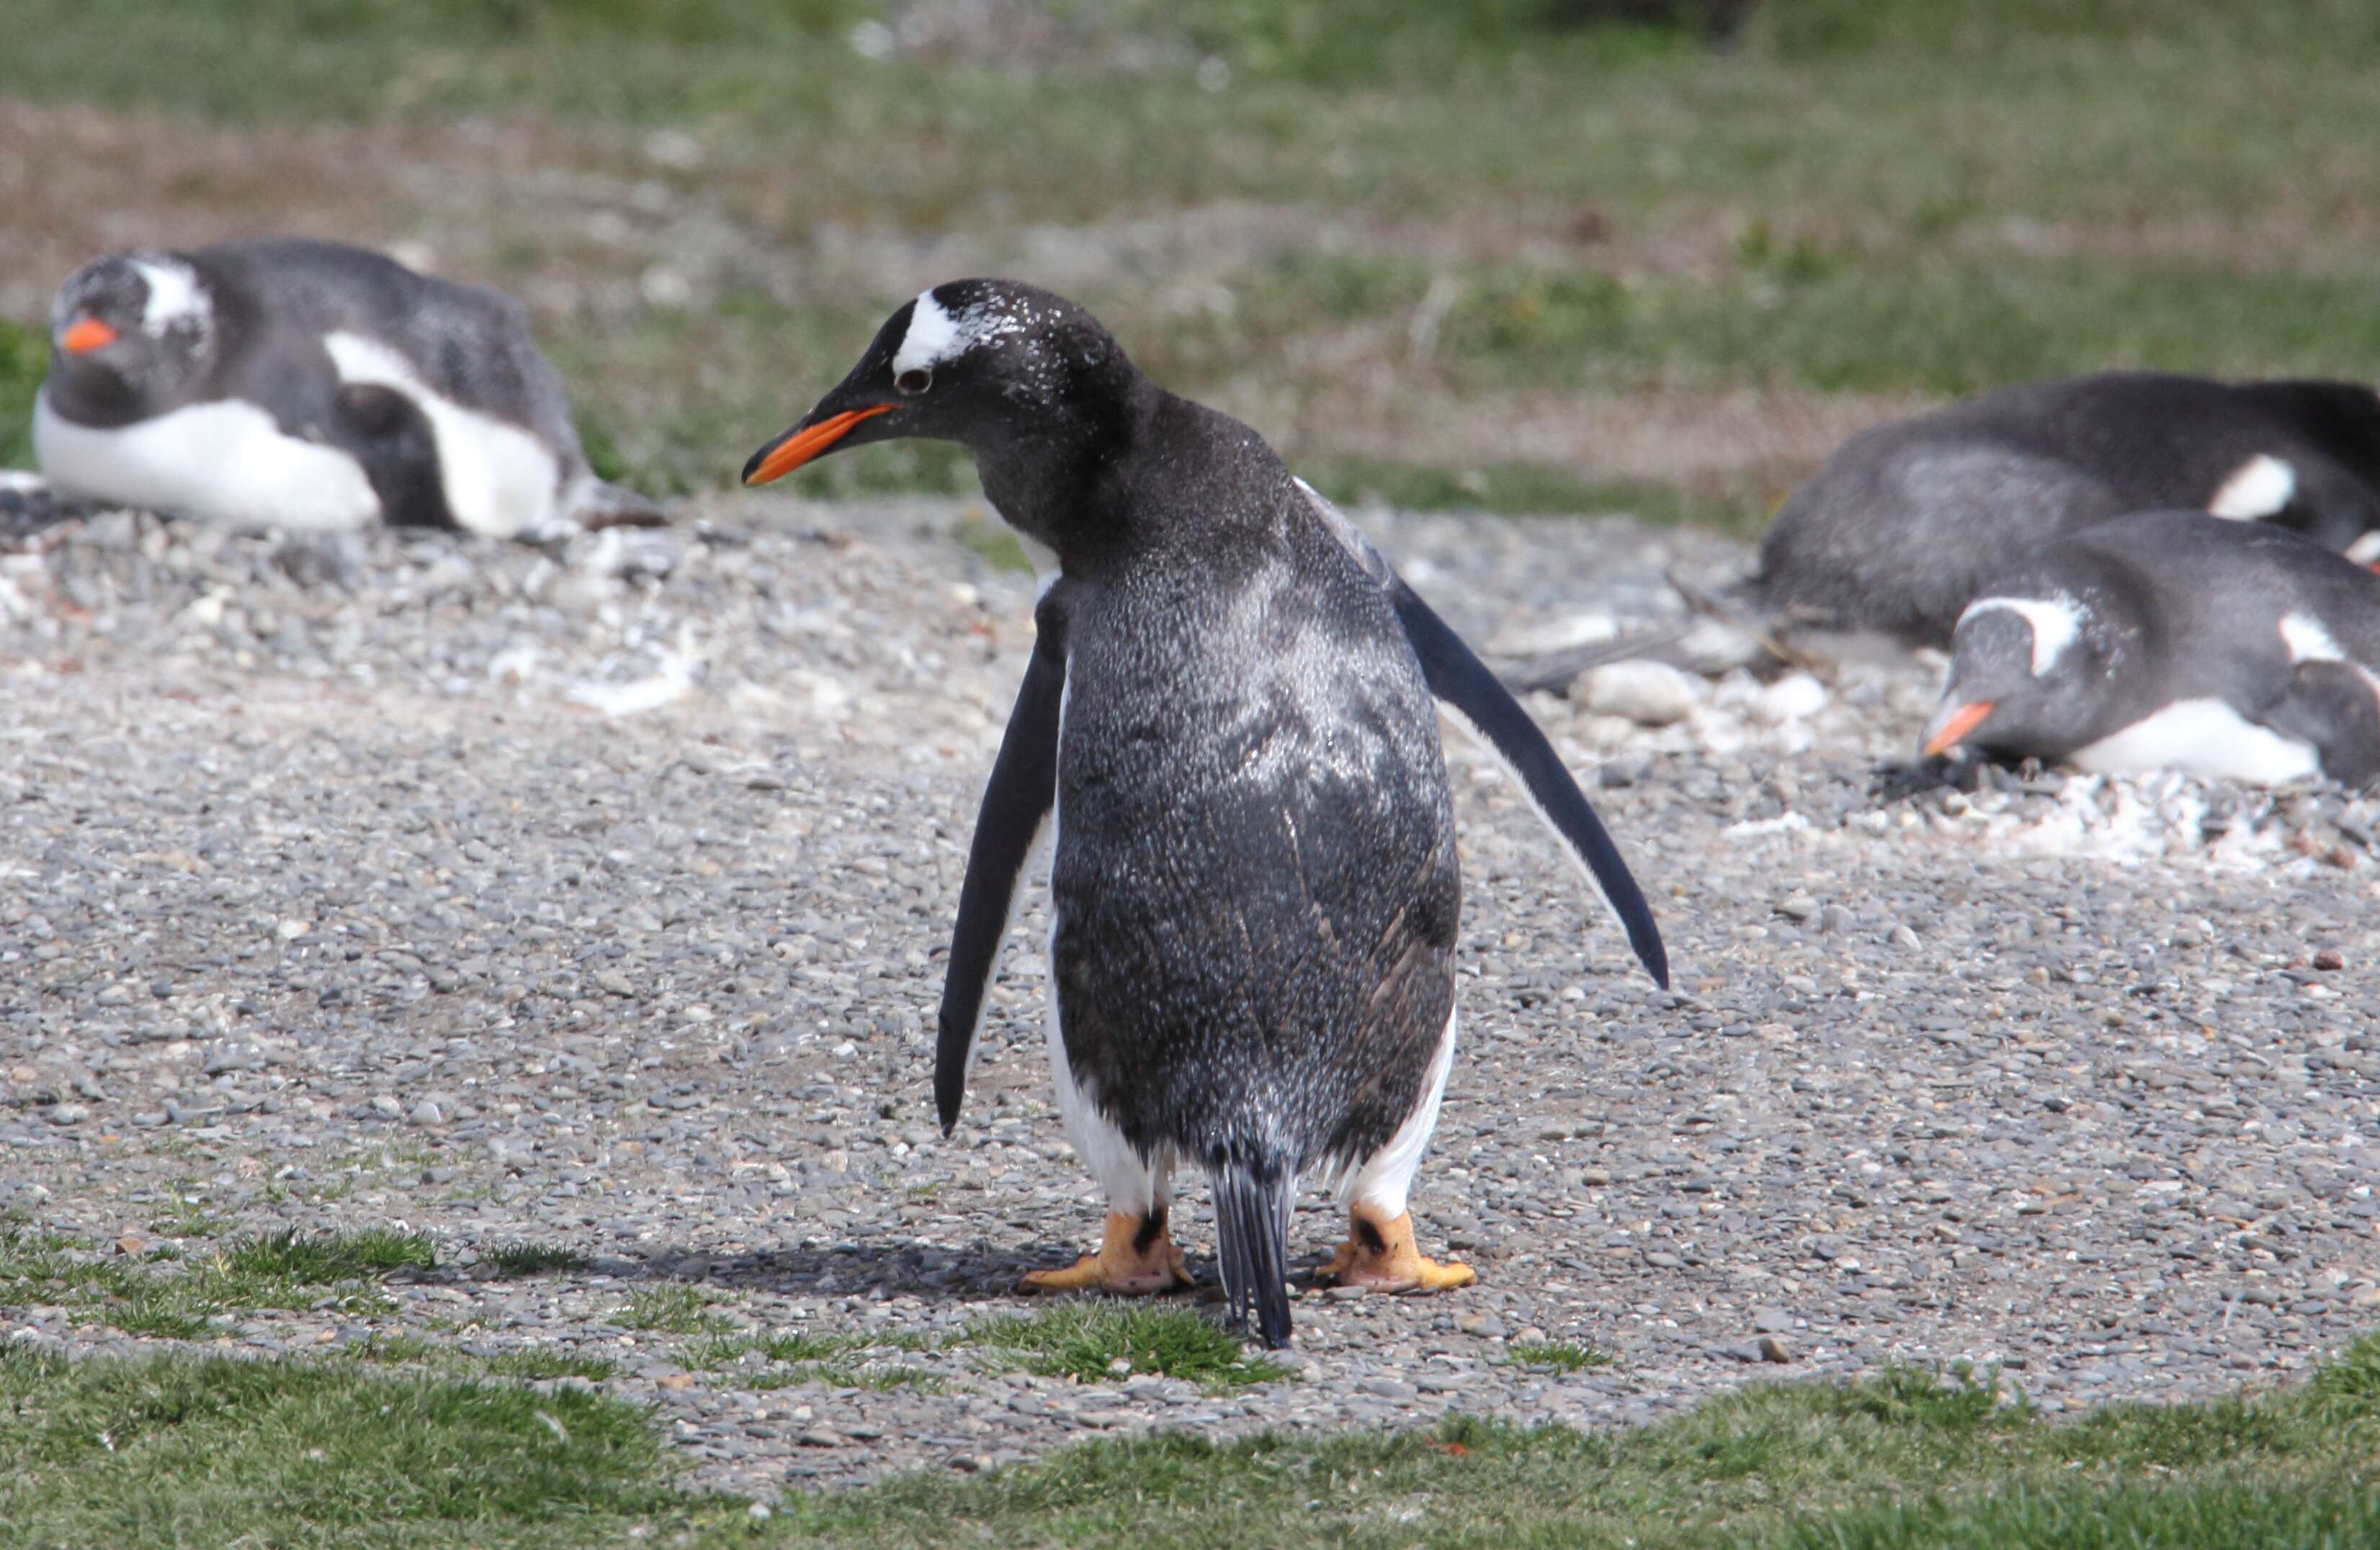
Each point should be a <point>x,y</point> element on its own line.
<point>1904,521</point>
<point>2173,641</point>
<point>312,386</point>
<point>1226,732</point>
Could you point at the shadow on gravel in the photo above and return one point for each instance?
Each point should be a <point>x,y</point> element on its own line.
<point>974,1273</point>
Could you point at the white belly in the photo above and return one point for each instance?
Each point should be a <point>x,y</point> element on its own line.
<point>499,479</point>
<point>223,462</point>
<point>2204,737</point>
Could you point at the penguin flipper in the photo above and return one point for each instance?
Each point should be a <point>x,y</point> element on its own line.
<point>1011,825</point>
<point>2333,706</point>
<point>1465,685</point>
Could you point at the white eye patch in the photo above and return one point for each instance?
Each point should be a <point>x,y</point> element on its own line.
<point>2055,622</point>
<point>2258,488</point>
<point>934,338</point>
<point>174,293</point>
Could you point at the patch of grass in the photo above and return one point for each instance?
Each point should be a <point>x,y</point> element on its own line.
<point>1906,1458</point>
<point>671,1309</point>
<point>184,1217</point>
<point>388,1350</point>
<point>797,1358</point>
<point>1566,1355</point>
<point>883,1378</point>
<point>993,541</point>
<point>324,1258</point>
<point>534,1259</point>
<point>1085,1341</point>
<point>534,1364</point>
<point>192,1299</point>
<point>24,361</point>
<point>1526,489</point>
<point>181,1450</point>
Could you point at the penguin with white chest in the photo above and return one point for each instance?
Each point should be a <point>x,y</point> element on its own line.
<point>1227,738</point>
<point>1906,520</point>
<point>2173,641</point>
<point>310,387</point>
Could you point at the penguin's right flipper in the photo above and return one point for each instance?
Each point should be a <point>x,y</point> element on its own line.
<point>1009,828</point>
<point>1464,685</point>
<point>2333,706</point>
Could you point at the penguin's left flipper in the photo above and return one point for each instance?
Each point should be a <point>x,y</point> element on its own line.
<point>2333,706</point>
<point>1460,683</point>
<point>1465,686</point>
<point>1008,828</point>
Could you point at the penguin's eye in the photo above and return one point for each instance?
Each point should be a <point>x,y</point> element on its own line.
<point>916,379</point>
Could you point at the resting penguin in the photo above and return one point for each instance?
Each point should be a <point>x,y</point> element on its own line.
<point>310,387</point>
<point>1905,520</point>
<point>1226,735</point>
<point>2173,641</point>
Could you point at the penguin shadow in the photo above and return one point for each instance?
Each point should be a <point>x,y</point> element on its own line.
<point>973,1273</point>
<point>976,1273</point>
<point>1965,769</point>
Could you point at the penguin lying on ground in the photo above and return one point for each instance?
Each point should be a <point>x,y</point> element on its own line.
<point>2173,641</point>
<point>1227,736</point>
<point>1904,521</point>
<point>310,387</point>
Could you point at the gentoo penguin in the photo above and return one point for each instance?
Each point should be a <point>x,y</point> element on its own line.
<point>1905,520</point>
<point>309,385</point>
<point>1226,735</point>
<point>2173,641</point>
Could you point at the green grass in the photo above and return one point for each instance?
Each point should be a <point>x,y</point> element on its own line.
<point>317,1259</point>
<point>1566,1355</point>
<point>198,1297</point>
<point>1870,196</point>
<point>834,1360</point>
<point>1100,1342</point>
<point>1907,1459</point>
<point>1527,489</point>
<point>298,1453</point>
<point>387,1349</point>
<point>534,1364</point>
<point>173,1451</point>
<point>519,1260</point>
<point>671,1309</point>
<point>24,359</point>
<point>997,546</point>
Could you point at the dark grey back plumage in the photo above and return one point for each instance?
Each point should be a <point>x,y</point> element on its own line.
<point>1905,520</point>
<point>1255,876</point>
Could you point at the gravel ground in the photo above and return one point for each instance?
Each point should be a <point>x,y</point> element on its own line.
<point>596,898</point>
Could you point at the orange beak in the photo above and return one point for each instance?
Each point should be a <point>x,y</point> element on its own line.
<point>1962,720</point>
<point>84,335</point>
<point>797,447</point>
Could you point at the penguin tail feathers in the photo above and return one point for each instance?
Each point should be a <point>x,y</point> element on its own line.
<point>1252,1203</point>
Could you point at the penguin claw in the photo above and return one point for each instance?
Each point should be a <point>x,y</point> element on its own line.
<point>1381,1256</point>
<point>1137,1257</point>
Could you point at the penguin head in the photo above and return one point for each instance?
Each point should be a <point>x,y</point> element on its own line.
<point>1017,375</point>
<point>129,332</point>
<point>2028,674</point>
